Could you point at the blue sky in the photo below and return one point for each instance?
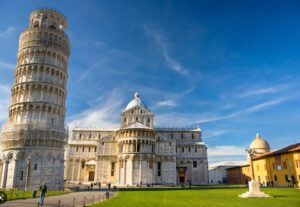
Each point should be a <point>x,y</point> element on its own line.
<point>230,67</point>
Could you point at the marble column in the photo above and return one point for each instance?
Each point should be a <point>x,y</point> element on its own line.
<point>4,174</point>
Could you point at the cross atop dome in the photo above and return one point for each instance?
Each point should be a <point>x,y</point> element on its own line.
<point>136,95</point>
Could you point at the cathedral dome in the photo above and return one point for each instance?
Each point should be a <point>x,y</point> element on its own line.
<point>136,101</point>
<point>260,145</point>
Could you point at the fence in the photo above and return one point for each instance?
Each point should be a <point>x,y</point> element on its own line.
<point>81,200</point>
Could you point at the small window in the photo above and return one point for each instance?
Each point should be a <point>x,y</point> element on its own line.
<point>77,149</point>
<point>182,149</point>
<point>52,26</point>
<point>80,136</point>
<point>102,143</point>
<point>195,164</point>
<point>82,149</point>
<point>90,136</point>
<point>193,136</point>
<point>150,164</point>
<point>124,119</point>
<point>195,149</point>
<point>284,165</point>
<point>131,111</point>
<point>138,147</point>
<point>141,111</point>
<point>21,175</point>
<point>89,149</point>
<point>275,177</point>
<point>287,178</point>
<point>189,149</point>
<point>172,136</point>
<point>95,149</point>
<point>181,135</point>
<point>159,169</point>
<point>35,166</point>
<point>112,170</point>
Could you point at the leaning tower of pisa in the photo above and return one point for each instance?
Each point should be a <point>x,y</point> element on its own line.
<point>33,139</point>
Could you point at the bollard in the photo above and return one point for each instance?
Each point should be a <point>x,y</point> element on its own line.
<point>74,202</point>
<point>58,203</point>
<point>84,202</point>
<point>99,197</point>
<point>93,198</point>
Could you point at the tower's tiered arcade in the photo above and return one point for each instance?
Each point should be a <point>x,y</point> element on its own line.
<point>33,139</point>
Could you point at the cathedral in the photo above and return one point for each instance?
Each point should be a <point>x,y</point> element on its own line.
<point>137,153</point>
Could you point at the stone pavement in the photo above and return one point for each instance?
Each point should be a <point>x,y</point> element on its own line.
<point>76,199</point>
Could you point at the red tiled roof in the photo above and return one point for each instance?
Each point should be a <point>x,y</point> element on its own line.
<point>240,166</point>
<point>291,148</point>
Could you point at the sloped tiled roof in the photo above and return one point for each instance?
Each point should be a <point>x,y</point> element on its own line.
<point>290,148</point>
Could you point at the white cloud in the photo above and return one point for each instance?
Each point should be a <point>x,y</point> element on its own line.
<point>167,103</point>
<point>4,102</point>
<point>169,99</point>
<point>102,114</point>
<point>268,90</point>
<point>162,43</point>
<point>226,151</point>
<point>6,65</point>
<point>8,32</point>
<point>268,104</point>
<point>216,133</point>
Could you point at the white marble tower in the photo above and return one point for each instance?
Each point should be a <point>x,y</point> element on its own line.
<point>33,140</point>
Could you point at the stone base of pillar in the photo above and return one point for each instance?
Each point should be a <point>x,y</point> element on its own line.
<point>254,191</point>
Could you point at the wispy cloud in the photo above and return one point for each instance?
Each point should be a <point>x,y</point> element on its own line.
<point>266,90</point>
<point>8,32</point>
<point>6,65</point>
<point>103,113</point>
<point>269,104</point>
<point>167,103</point>
<point>188,119</point>
<point>4,102</point>
<point>170,99</point>
<point>105,60</point>
<point>216,133</point>
<point>162,43</point>
<point>226,151</point>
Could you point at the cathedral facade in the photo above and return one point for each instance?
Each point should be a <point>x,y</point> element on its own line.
<point>137,153</point>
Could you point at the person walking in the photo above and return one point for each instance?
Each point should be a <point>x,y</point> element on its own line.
<point>43,190</point>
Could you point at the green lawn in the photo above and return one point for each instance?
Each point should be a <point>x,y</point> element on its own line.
<point>19,194</point>
<point>204,196</point>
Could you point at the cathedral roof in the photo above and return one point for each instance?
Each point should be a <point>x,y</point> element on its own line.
<point>136,101</point>
<point>259,143</point>
<point>138,125</point>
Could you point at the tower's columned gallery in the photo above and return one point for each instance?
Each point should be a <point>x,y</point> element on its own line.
<point>137,153</point>
<point>33,139</point>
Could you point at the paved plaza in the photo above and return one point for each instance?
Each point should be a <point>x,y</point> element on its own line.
<point>76,199</point>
